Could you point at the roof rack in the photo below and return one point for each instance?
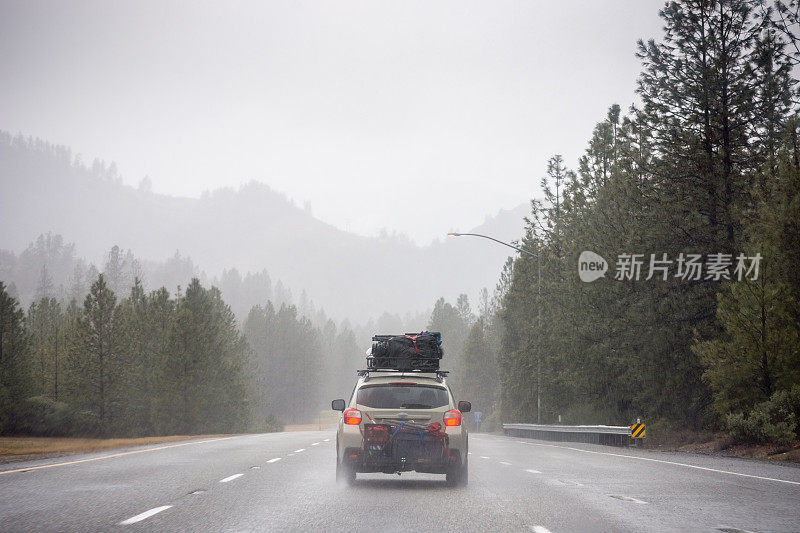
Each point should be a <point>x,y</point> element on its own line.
<point>365,373</point>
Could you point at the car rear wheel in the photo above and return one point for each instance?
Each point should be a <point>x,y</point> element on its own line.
<point>458,475</point>
<point>345,473</point>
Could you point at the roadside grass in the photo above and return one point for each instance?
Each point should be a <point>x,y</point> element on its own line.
<point>325,420</point>
<point>717,443</point>
<point>25,448</point>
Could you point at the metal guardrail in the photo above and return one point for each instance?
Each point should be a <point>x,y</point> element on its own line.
<point>609,435</point>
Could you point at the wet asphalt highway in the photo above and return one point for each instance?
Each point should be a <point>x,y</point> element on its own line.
<point>285,482</point>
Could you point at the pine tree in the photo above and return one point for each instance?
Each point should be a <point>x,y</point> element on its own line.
<point>698,87</point>
<point>285,344</point>
<point>479,381</point>
<point>115,271</point>
<point>96,364</point>
<point>45,322</point>
<point>205,389</point>
<point>757,354</point>
<point>160,314</point>
<point>45,288</point>
<point>15,373</point>
<point>137,350</point>
<point>450,322</point>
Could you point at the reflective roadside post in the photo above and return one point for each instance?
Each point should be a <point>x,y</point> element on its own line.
<point>539,311</point>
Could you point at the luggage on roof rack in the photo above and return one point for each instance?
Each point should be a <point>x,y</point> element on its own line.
<point>426,344</point>
<point>412,351</point>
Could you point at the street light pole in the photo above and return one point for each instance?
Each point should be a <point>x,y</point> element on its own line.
<point>539,308</point>
<point>539,359</point>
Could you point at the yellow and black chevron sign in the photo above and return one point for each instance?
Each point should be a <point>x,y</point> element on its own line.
<point>637,431</point>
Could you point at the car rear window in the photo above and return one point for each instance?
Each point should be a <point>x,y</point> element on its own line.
<point>402,396</point>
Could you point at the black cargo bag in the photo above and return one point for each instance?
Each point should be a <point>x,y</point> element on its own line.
<point>426,345</point>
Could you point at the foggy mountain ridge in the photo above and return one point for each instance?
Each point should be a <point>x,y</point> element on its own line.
<point>45,189</point>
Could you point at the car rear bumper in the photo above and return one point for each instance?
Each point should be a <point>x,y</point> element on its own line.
<point>362,461</point>
<point>409,449</point>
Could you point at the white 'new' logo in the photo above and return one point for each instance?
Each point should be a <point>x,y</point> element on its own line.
<point>591,266</point>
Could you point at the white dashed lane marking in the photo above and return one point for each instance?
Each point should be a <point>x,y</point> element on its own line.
<point>146,514</point>
<point>539,529</point>
<point>484,457</point>
<point>230,478</point>
<point>531,471</point>
<point>314,443</point>
<point>505,463</point>
<point>300,450</point>
<point>274,460</point>
<point>627,499</point>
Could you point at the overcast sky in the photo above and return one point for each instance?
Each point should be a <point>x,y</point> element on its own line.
<point>418,117</point>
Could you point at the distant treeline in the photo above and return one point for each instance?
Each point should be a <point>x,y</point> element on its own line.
<point>152,364</point>
<point>709,163</point>
<point>51,267</point>
<point>284,360</point>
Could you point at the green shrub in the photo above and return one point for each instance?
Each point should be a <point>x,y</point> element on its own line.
<point>272,424</point>
<point>42,416</point>
<point>773,421</point>
<point>85,424</point>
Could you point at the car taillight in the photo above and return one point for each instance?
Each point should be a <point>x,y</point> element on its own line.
<point>352,417</point>
<point>452,418</point>
<point>376,433</point>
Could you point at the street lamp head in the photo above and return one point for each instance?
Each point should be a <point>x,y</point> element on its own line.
<point>517,248</point>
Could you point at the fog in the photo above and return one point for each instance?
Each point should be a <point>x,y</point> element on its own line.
<point>415,117</point>
<point>395,122</point>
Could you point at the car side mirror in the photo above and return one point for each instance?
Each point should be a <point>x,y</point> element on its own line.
<point>464,406</point>
<point>337,405</point>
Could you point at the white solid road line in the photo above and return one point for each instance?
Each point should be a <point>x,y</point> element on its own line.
<point>300,450</point>
<point>505,463</point>
<point>539,529</point>
<point>530,471</point>
<point>274,460</point>
<point>230,478</point>
<point>707,469</point>
<point>627,499</point>
<point>146,514</point>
